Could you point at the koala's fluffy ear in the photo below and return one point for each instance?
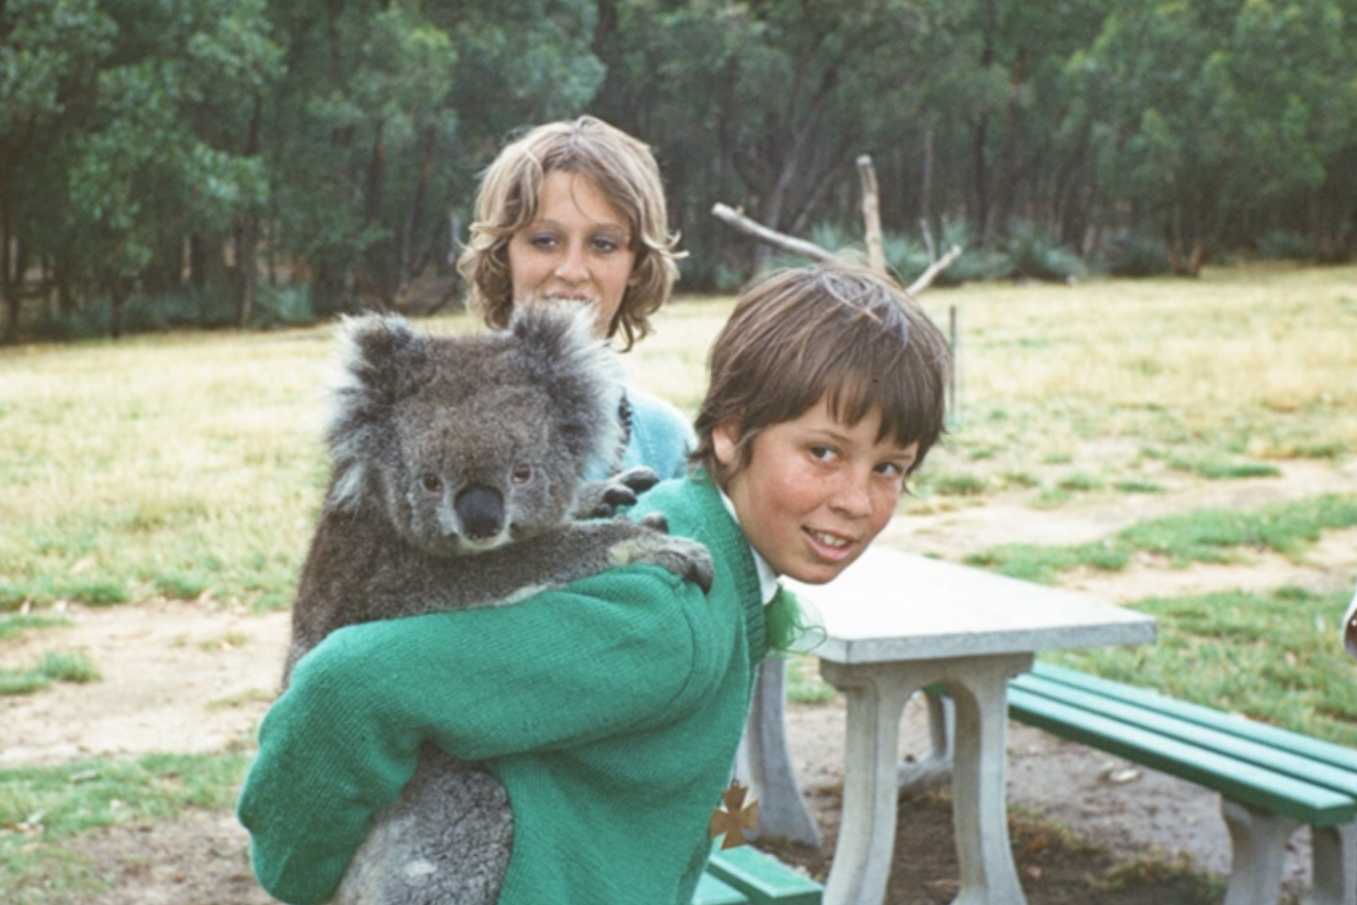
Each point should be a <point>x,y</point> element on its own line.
<point>379,358</point>
<point>558,348</point>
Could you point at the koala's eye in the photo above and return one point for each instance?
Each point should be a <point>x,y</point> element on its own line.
<point>431,482</point>
<point>521,474</point>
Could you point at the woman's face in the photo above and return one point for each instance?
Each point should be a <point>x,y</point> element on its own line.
<point>577,249</point>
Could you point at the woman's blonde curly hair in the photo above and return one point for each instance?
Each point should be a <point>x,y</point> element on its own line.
<point>621,167</point>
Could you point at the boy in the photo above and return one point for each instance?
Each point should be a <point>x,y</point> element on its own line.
<point>611,710</point>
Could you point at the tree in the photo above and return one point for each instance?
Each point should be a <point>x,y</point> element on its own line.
<point>765,104</point>
<point>1206,116</point>
<point>123,142</point>
<point>386,113</point>
<point>47,72</point>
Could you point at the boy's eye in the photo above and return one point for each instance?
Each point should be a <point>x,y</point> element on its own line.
<point>821,453</point>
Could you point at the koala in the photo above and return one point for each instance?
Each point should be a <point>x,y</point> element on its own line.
<point>457,481</point>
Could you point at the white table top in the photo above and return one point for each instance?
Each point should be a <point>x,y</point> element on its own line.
<point>892,606</point>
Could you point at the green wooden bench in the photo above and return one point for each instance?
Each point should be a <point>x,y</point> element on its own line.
<point>745,876</point>
<point>1270,780</point>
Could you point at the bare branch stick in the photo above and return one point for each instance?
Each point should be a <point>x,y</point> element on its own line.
<point>926,278</point>
<point>770,236</point>
<point>811,250</point>
<point>871,213</point>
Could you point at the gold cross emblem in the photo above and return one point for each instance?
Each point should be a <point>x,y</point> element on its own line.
<point>733,816</point>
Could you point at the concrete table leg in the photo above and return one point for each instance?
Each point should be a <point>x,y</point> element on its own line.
<point>782,810</point>
<point>862,857</point>
<point>877,694</point>
<point>979,764</point>
<point>935,767</point>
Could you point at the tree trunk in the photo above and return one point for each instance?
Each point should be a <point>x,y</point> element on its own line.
<point>1005,178</point>
<point>408,266</point>
<point>247,235</point>
<point>926,189</point>
<point>115,313</point>
<point>377,269</point>
<point>9,313</point>
<point>247,268</point>
<point>9,302</point>
<point>980,216</point>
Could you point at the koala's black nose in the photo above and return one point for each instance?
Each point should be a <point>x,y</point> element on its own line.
<point>481,510</point>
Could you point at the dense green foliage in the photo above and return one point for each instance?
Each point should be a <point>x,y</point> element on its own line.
<point>245,148</point>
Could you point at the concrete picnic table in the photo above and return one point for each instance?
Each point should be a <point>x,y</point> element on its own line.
<point>897,623</point>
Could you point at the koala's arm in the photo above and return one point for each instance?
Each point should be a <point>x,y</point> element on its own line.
<point>549,560</point>
<point>600,499</point>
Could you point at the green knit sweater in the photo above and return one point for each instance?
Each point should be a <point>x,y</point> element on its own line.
<point>610,710</point>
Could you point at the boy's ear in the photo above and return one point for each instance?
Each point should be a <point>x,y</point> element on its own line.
<point>725,440</point>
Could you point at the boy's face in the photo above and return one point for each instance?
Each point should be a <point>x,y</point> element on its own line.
<point>816,491</point>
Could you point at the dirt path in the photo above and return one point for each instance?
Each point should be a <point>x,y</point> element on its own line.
<point>197,677</point>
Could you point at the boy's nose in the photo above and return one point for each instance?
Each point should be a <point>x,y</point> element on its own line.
<point>852,496</point>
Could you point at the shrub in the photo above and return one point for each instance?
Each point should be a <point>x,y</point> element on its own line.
<point>1132,255</point>
<point>1037,256</point>
<point>1286,245</point>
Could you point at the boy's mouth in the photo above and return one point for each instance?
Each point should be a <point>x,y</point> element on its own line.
<point>830,545</point>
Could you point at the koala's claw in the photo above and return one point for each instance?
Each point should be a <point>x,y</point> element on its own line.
<point>686,558</point>
<point>639,479</point>
<point>601,499</point>
<point>700,570</point>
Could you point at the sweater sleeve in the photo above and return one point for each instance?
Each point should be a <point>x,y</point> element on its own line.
<point>607,654</point>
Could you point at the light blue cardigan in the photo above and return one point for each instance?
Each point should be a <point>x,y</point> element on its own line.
<point>661,437</point>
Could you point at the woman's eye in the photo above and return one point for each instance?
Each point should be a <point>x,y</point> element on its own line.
<point>606,245</point>
<point>542,241</point>
<point>521,474</point>
<point>431,482</point>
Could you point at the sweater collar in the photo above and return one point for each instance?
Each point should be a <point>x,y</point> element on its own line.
<point>768,586</point>
<point>743,566</point>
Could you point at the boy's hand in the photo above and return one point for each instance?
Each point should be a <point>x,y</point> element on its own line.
<point>685,558</point>
<point>602,499</point>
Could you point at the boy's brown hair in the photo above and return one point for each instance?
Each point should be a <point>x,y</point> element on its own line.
<point>620,166</point>
<point>837,331</point>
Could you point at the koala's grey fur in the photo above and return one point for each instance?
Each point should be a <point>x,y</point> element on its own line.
<point>457,466</point>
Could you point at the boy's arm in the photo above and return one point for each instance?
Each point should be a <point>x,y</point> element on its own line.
<point>606,654</point>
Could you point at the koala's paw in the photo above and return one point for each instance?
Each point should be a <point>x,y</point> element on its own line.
<point>602,499</point>
<point>685,558</point>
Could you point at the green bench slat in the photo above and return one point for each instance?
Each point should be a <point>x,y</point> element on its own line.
<point>1194,733</point>
<point>711,891</point>
<point>762,879</point>
<point>1235,779</point>
<point>1273,736</point>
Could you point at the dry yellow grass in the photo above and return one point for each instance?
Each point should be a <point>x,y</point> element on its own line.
<point>1239,340</point>
<point>191,462</point>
